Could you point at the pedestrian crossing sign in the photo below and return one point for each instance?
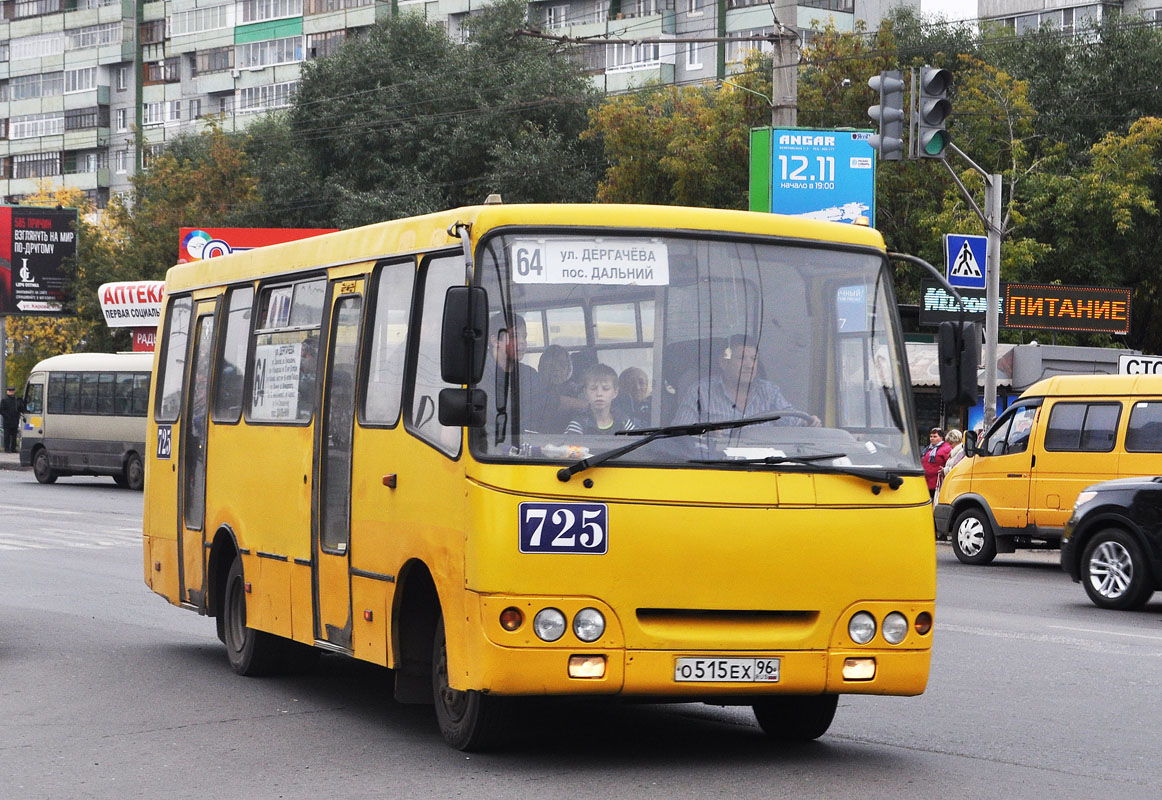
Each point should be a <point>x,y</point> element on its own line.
<point>966,257</point>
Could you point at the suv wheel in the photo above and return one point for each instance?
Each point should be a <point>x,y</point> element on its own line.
<point>1114,572</point>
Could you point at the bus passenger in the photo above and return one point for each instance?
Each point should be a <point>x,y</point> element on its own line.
<point>516,398</point>
<point>563,404</point>
<point>735,392</point>
<point>600,382</point>
<point>634,393</point>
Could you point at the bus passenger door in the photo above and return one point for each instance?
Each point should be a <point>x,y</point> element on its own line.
<point>192,458</point>
<point>333,462</point>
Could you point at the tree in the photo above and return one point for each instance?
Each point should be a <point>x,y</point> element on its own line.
<point>404,121</point>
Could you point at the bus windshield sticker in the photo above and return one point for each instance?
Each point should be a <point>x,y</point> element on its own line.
<point>597,262</point>
<point>164,441</point>
<point>564,528</point>
<point>276,382</point>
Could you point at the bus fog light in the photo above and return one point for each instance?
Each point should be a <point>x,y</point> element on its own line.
<point>895,627</point>
<point>862,628</point>
<point>549,624</point>
<point>859,669</point>
<point>589,624</point>
<point>586,666</point>
<point>511,618</point>
<point>923,623</point>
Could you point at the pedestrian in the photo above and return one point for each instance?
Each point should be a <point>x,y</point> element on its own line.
<point>956,439</point>
<point>934,457</point>
<point>10,408</point>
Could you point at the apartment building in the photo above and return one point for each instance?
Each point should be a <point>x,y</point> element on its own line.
<point>1064,15</point>
<point>90,90</point>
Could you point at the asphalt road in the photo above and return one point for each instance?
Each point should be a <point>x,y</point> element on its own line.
<point>109,692</point>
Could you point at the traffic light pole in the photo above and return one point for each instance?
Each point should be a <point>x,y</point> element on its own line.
<point>993,227</point>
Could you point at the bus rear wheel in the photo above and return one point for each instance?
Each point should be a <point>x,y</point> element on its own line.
<point>133,476</point>
<point>795,718</point>
<point>468,720</point>
<point>42,468</point>
<point>251,652</point>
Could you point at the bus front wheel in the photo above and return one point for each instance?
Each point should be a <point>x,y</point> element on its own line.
<point>469,720</point>
<point>250,652</point>
<point>42,468</point>
<point>796,719</point>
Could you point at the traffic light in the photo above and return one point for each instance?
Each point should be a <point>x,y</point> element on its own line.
<point>888,115</point>
<point>932,110</point>
<point>958,351</point>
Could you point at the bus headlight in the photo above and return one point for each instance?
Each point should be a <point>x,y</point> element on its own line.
<point>589,624</point>
<point>895,627</point>
<point>549,624</point>
<point>862,627</point>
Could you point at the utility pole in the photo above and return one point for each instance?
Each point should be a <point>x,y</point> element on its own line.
<point>785,70</point>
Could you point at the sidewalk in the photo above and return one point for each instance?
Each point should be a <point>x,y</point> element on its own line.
<point>10,461</point>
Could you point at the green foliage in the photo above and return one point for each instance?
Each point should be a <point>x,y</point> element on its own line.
<point>404,121</point>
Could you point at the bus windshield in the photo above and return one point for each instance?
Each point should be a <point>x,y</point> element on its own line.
<point>598,339</point>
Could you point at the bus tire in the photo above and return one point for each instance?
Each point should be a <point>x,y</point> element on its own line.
<point>469,721</point>
<point>42,467</point>
<point>133,476</point>
<point>796,718</point>
<point>251,653</point>
<point>973,539</point>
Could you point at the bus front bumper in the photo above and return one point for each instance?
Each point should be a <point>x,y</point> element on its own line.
<point>656,673</point>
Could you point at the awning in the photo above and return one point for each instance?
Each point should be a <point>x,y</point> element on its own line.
<point>924,365</point>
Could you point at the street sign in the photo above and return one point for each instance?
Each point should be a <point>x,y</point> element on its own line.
<point>1139,365</point>
<point>966,258</point>
<point>818,174</point>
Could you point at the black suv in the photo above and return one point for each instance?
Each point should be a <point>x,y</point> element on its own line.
<point>1113,541</point>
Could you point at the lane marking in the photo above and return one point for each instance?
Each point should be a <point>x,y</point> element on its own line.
<point>1107,633</point>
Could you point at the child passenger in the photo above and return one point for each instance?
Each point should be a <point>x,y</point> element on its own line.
<point>599,384</point>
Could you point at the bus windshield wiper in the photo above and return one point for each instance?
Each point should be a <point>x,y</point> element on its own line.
<point>650,434</point>
<point>872,474</point>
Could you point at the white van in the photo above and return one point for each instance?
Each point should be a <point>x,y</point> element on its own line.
<point>85,415</point>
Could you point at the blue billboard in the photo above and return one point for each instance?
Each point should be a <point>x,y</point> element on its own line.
<point>820,174</point>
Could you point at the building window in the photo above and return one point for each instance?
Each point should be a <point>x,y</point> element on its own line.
<point>256,99</point>
<point>199,20</point>
<point>175,110</point>
<point>47,44</point>
<point>218,59</point>
<point>195,109</point>
<point>152,32</point>
<point>78,119</point>
<point>27,87</point>
<point>153,113</point>
<point>94,36</point>
<point>321,45</point>
<point>121,162</point>
<point>325,6</point>
<point>693,55</point>
<point>29,126</point>
<point>122,119</point>
<point>556,16</point>
<point>269,52</point>
<point>259,10</point>
<point>80,80</point>
<point>739,45</point>
<point>122,78</point>
<point>167,71</point>
<point>36,165</point>
<point>626,56</point>
<point>694,8</point>
<point>34,8</point>
<point>85,161</point>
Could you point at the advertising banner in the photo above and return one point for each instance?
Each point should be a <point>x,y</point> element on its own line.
<point>200,243</point>
<point>132,304</point>
<point>34,242</point>
<point>818,174</point>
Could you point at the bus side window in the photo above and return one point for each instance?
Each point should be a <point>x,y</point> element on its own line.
<point>389,323</point>
<point>439,275</point>
<point>123,394</point>
<point>173,360</point>
<point>229,382</point>
<point>33,398</point>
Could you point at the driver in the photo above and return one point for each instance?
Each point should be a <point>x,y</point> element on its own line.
<point>735,392</point>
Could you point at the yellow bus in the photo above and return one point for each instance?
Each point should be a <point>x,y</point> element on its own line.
<point>351,450</point>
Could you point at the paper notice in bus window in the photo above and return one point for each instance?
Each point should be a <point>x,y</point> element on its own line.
<point>621,262</point>
<point>275,396</point>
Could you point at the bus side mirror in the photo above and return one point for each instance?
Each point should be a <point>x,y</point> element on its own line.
<point>958,348</point>
<point>464,336</point>
<point>463,407</point>
<point>970,444</point>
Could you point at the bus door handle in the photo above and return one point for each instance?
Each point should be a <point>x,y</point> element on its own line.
<point>1016,475</point>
